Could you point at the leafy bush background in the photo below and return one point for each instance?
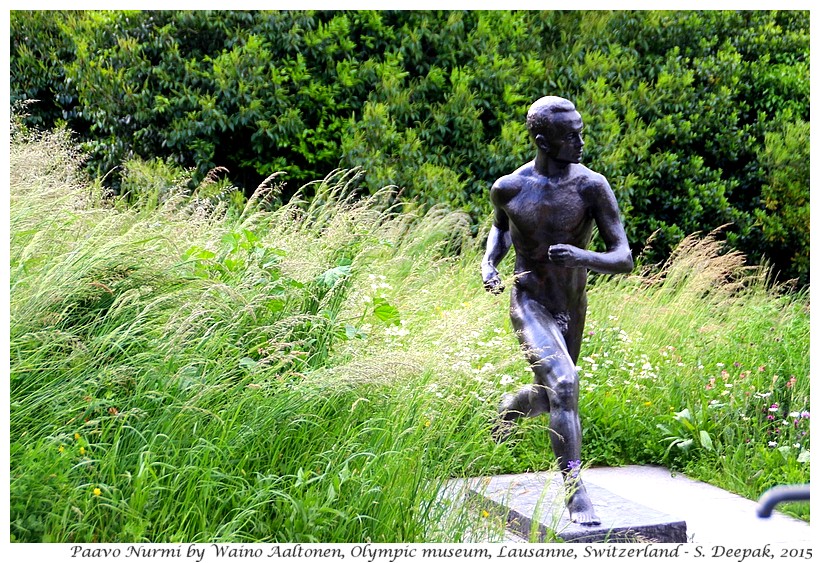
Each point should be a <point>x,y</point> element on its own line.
<point>698,119</point>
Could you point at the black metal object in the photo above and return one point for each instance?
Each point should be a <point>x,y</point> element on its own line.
<point>782,493</point>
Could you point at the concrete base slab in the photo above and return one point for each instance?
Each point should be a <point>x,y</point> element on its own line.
<point>534,506</point>
<point>713,516</point>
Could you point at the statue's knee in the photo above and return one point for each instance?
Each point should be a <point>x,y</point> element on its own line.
<point>565,390</point>
<point>538,397</point>
<point>535,392</point>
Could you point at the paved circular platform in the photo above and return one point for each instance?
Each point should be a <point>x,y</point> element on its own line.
<point>713,516</point>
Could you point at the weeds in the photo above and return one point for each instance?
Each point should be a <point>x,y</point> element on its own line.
<point>189,371</point>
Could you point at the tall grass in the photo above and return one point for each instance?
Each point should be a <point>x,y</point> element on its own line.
<point>708,357</point>
<point>180,373</point>
<point>186,370</point>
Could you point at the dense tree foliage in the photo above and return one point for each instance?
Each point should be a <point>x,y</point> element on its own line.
<point>698,119</point>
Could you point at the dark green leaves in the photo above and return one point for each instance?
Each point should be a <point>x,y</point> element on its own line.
<point>683,110</point>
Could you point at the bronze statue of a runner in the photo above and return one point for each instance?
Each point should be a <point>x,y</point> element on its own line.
<point>546,210</point>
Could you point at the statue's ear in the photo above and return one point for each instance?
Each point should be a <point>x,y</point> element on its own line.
<point>541,142</point>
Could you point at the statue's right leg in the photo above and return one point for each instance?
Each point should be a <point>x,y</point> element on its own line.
<point>529,400</point>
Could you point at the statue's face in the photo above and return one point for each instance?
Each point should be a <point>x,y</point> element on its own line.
<point>565,143</point>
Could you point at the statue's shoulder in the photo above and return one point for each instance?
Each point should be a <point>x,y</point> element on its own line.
<point>507,187</point>
<point>592,182</point>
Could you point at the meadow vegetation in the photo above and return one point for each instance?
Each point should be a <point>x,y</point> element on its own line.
<point>186,368</point>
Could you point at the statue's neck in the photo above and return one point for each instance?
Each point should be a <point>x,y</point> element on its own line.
<point>548,166</point>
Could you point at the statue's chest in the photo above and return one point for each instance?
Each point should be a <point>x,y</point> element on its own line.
<point>552,210</point>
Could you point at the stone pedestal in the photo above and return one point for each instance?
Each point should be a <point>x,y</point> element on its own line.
<point>534,504</point>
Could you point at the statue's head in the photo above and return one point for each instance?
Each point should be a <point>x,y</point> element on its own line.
<point>554,124</point>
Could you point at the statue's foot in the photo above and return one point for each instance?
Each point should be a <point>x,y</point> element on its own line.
<point>506,403</point>
<point>581,510</point>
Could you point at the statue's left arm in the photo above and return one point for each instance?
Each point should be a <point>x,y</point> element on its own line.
<point>617,258</point>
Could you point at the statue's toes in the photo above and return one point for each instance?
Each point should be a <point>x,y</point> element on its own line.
<point>587,520</point>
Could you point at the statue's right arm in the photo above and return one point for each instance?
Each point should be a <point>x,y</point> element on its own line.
<point>498,242</point>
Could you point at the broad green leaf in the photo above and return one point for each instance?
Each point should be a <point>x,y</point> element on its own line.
<point>685,444</point>
<point>333,275</point>
<point>385,312</point>
<point>706,440</point>
<point>248,363</point>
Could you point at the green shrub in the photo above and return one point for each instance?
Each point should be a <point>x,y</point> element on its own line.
<point>678,105</point>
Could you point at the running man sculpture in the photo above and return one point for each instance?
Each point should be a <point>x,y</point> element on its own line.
<point>546,210</point>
